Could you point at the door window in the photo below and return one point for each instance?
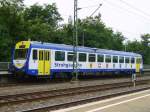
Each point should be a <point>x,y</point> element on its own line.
<point>34,54</point>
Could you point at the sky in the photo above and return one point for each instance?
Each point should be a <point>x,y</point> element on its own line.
<point>131,17</point>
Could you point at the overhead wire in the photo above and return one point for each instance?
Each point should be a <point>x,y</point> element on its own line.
<point>126,10</point>
<point>96,10</point>
<point>123,9</point>
<point>94,5</point>
<point>140,13</point>
<point>89,6</point>
<point>129,11</point>
<point>135,8</point>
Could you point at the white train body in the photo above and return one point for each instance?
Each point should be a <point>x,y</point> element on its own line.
<point>45,59</point>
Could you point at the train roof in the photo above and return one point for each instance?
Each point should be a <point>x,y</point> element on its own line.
<point>81,49</point>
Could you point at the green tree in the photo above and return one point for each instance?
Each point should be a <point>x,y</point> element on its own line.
<point>10,25</point>
<point>146,49</point>
<point>41,22</point>
<point>97,34</point>
<point>141,47</point>
<point>20,23</point>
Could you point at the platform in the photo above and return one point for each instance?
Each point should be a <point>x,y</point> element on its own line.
<point>136,102</point>
<point>146,70</point>
<point>4,73</point>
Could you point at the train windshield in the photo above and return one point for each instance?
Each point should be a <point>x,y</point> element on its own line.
<point>20,54</point>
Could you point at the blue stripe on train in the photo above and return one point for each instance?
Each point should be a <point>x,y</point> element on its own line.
<point>34,72</point>
<point>91,70</point>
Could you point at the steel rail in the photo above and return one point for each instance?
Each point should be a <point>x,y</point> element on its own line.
<point>36,96</point>
<point>83,101</point>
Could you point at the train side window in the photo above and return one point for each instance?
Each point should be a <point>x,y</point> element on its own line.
<point>48,54</point>
<point>108,59</point>
<point>34,54</point>
<point>92,57</point>
<point>127,60</point>
<point>70,56</point>
<point>59,56</point>
<point>82,57</point>
<point>45,55</point>
<point>132,60</point>
<point>138,60</point>
<point>115,59</point>
<point>40,55</point>
<point>121,59</point>
<point>100,58</point>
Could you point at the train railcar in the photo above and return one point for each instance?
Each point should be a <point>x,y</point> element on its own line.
<point>47,59</point>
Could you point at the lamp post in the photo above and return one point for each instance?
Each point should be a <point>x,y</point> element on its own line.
<point>96,10</point>
<point>83,35</point>
<point>125,44</point>
<point>75,41</point>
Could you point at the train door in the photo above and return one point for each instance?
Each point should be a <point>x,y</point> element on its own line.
<point>41,63</point>
<point>44,62</point>
<point>47,62</point>
<point>138,61</point>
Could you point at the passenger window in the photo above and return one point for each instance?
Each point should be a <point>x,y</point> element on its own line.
<point>132,60</point>
<point>127,60</point>
<point>91,57</point>
<point>100,58</point>
<point>48,54</point>
<point>82,57</point>
<point>115,59</point>
<point>121,59</point>
<point>108,59</point>
<point>40,55</point>
<point>138,60</point>
<point>45,55</point>
<point>70,56</point>
<point>59,56</point>
<point>34,54</point>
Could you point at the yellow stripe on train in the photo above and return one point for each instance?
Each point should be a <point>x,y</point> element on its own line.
<point>23,45</point>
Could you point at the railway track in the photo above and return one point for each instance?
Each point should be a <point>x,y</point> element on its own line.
<point>51,94</point>
<point>24,82</point>
<point>80,102</point>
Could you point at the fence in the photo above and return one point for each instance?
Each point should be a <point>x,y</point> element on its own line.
<point>146,67</point>
<point>4,66</point>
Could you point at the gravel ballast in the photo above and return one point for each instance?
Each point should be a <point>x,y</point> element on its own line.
<point>44,87</point>
<point>50,102</point>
